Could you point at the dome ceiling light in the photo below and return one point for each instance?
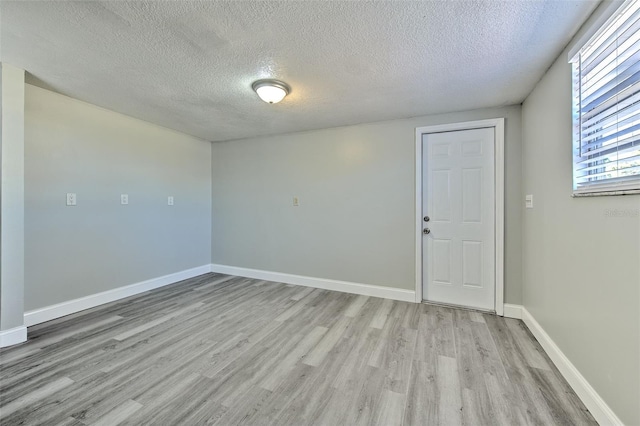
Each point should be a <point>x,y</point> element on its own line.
<point>271,91</point>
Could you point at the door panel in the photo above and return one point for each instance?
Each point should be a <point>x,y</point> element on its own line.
<point>441,193</point>
<point>472,195</point>
<point>442,261</point>
<point>459,198</point>
<point>472,263</point>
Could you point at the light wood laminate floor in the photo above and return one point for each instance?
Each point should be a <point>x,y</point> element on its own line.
<point>226,350</point>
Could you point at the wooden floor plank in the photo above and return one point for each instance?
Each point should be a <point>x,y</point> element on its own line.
<point>118,414</point>
<point>35,396</point>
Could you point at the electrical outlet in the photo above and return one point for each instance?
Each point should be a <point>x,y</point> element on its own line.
<point>71,199</point>
<point>528,201</point>
<point>296,202</point>
<point>124,199</point>
<point>170,200</point>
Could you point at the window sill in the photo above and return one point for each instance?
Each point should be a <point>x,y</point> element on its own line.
<point>606,193</point>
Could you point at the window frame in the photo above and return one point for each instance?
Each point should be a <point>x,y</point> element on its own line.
<point>618,186</point>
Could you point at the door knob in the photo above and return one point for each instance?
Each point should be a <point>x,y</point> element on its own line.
<point>426,231</point>
<point>427,219</point>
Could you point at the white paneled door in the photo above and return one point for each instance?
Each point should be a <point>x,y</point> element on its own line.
<point>458,206</point>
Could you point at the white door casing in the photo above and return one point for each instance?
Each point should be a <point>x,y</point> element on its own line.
<point>459,185</point>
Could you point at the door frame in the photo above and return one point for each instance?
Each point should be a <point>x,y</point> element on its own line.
<point>498,125</point>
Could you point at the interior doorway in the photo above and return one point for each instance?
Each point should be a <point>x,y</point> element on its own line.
<point>460,214</point>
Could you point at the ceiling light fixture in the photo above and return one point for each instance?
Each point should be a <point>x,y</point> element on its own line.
<point>271,91</point>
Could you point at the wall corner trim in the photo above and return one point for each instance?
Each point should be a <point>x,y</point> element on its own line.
<point>603,414</point>
<point>322,283</point>
<point>49,313</point>
<point>512,311</point>
<point>13,336</point>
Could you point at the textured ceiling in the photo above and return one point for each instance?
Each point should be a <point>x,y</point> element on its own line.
<point>189,65</point>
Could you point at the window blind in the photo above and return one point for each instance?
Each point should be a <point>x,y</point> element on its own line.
<point>606,78</point>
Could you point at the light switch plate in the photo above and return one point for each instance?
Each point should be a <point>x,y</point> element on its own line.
<point>528,201</point>
<point>71,198</point>
<point>124,199</point>
<point>296,202</point>
<point>170,200</point>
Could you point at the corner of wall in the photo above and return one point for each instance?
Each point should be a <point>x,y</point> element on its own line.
<point>12,223</point>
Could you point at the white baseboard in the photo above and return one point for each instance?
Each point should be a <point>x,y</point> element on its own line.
<point>48,313</point>
<point>13,336</point>
<point>603,414</point>
<point>323,283</point>
<point>512,311</point>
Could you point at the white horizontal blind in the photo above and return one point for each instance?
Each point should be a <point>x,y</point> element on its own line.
<point>607,106</point>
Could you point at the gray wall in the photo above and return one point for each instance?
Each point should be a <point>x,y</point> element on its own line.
<point>356,188</point>
<point>99,244</point>
<point>581,264</point>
